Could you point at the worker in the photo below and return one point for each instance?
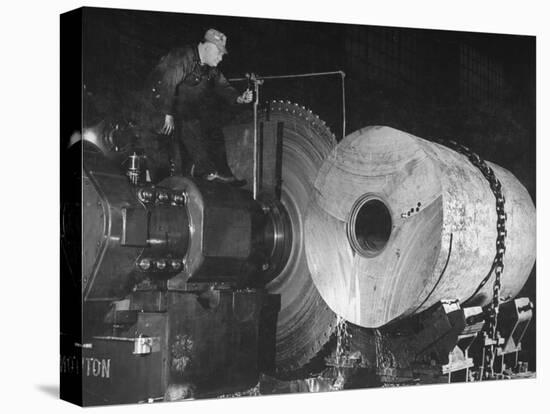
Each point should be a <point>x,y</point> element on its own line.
<point>182,85</point>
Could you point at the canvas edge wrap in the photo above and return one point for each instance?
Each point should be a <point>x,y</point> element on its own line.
<point>71,24</point>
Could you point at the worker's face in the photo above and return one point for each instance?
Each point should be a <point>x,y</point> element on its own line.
<point>213,55</point>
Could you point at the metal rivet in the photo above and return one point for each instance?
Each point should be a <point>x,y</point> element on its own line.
<point>144,264</point>
<point>160,264</point>
<point>175,264</point>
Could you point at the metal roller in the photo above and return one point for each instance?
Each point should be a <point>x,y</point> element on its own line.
<point>304,323</point>
<point>398,223</point>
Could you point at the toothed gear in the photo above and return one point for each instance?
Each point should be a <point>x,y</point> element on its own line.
<point>305,324</point>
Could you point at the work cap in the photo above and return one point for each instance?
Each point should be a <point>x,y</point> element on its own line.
<point>216,37</point>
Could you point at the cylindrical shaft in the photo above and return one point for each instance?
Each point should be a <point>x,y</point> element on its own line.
<point>399,223</point>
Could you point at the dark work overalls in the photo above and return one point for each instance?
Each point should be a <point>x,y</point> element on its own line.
<point>190,92</point>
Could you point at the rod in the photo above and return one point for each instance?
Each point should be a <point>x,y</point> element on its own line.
<point>257,147</point>
<point>343,75</point>
<point>299,75</point>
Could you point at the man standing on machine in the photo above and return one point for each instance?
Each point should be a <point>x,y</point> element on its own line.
<point>182,85</point>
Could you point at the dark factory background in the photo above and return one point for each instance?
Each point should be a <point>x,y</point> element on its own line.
<point>478,89</point>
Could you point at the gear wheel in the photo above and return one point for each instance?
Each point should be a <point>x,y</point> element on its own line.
<point>305,323</point>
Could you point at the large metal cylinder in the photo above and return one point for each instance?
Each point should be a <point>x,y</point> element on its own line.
<point>398,223</point>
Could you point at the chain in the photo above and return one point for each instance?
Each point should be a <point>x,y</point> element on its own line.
<point>498,261</point>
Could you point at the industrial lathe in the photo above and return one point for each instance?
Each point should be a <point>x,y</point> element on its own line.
<point>384,254</point>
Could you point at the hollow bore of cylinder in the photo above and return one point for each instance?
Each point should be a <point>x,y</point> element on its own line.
<point>370,225</point>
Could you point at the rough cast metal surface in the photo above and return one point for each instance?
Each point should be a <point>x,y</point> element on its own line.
<point>443,228</point>
<point>304,323</point>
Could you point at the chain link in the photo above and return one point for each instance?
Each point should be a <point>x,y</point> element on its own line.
<point>498,261</point>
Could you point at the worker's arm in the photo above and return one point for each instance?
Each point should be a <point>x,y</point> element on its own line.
<point>229,93</point>
<point>170,72</point>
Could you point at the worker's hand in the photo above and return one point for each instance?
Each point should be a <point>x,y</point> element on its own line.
<point>168,126</point>
<point>246,97</point>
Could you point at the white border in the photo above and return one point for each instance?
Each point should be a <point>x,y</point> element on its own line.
<point>30,193</point>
